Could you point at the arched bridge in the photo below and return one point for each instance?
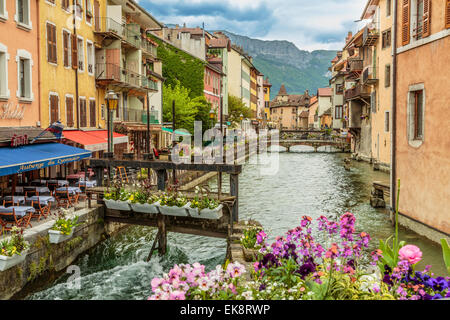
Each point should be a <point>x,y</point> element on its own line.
<point>340,144</point>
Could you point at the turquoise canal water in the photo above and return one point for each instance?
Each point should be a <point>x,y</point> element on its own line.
<point>311,184</point>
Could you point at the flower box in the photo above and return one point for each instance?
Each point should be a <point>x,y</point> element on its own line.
<point>117,205</point>
<point>145,208</point>
<point>8,262</point>
<point>250,255</point>
<point>212,214</point>
<point>193,212</point>
<point>174,211</point>
<point>56,236</point>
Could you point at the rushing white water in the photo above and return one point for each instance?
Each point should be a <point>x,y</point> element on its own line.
<point>311,184</point>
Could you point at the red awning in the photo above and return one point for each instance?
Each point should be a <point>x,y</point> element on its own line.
<point>96,140</point>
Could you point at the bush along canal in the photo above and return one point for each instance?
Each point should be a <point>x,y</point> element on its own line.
<point>311,248</point>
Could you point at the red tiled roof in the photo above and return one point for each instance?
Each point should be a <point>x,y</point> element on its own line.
<point>324,92</point>
<point>219,43</point>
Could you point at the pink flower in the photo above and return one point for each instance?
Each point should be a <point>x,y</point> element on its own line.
<point>411,253</point>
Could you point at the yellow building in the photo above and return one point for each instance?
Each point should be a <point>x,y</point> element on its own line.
<point>377,75</point>
<point>267,87</point>
<point>67,64</point>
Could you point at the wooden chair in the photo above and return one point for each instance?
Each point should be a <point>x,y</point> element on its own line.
<point>52,186</point>
<point>42,211</point>
<point>8,220</point>
<point>63,197</point>
<point>31,193</point>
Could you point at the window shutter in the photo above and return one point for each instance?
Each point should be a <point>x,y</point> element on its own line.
<point>426,18</point>
<point>49,43</point>
<point>447,14</point>
<point>92,114</point>
<point>74,52</point>
<point>66,40</point>
<point>53,109</point>
<point>373,101</point>
<point>53,43</point>
<point>69,112</point>
<point>83,119</point>
<point>406,8</point>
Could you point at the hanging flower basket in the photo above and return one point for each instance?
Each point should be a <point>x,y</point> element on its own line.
<point>174,210</point>
<point>8,262</point>
<point>117,205</point>
<point>56,236</point>
<point>212,214</point>
<point>145,208</point>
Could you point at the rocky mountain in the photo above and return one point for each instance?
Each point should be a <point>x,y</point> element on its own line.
<point>283,62</point>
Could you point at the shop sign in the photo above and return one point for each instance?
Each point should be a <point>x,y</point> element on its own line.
<point>7,111</point>
<point>17,141</point>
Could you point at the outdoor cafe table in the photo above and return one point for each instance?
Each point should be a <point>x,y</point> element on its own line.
<point>72,190</point>
<point>42,199</point>
<point>60,183</point>
<point>16,199</point>
<point>89,184</point>
<point>38,189</point>
<point>19,211</point>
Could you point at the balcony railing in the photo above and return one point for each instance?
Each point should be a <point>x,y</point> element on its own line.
<point>149,47</point>
<point>370,75</point>
<point>113,73</point>
<point>140,116</point>
<point>359,91</point>
<point>371,34</point>
<point>355,65</point>
<point>108,25</point>
<point>131,36</point>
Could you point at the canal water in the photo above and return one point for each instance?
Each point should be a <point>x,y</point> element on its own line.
<point>306,183</point>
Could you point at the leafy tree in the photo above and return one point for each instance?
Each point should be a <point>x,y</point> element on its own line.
<point>203,108</point>
<point>184,112</point>
<point>235,108</point>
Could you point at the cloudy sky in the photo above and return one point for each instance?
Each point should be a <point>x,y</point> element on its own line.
<point>310,24</point>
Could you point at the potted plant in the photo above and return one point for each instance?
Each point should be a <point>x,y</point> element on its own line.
<point>251,242</point>
<point>204,207</point>
<point>144,203</point>
<point>63,229</point>
<point>117,199</point>
<point>13,250</point>
<point>173,204</point>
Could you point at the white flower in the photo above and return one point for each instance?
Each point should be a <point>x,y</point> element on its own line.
<point>248,295</point>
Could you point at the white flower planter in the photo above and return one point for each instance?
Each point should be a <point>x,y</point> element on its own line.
<point>8,262</point>
<point>117,205</point>
<point>213,214</point>
<point>193,212</point>
<point>56,236</point>
<point>174,211</point>
<point>145,208</point>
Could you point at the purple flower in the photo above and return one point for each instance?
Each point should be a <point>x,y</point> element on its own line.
<point>306,269</point>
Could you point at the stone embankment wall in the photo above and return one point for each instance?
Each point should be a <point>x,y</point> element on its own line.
<point>45,259</point>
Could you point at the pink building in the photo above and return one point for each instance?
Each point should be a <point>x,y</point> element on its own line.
<point>213,82</point>
<point>19,63</point>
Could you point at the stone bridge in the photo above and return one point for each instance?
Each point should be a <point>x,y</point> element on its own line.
<point>340,144</point>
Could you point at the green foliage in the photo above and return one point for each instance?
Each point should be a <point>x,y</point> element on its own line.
<point>187,109</point>
<point>173,200</point>
<point>249,239</point>
<point>65,225</point>
<point>16,244</point>
<point>178,65</point>
<point>235,108</point>
<point>446,254</point>
<point>203,201</point>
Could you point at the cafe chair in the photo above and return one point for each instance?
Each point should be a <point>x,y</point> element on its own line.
<point>63,197</point>
<point>8,220</point>
<point>42,210</point>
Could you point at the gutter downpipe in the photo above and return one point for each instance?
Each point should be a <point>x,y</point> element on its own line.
<point>393,177</point>
<point>39,60</point>
<point>76,69</point>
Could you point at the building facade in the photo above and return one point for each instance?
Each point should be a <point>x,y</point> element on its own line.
<point>19,64</point>
<point>421,134</point>
<point>324,102</point>
<point>285,110</point>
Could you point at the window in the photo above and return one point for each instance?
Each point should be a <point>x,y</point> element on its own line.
<point>90,57</point>
<point>54,107</point>
<point>447,14</point>
<point>373,101</point>
<point>69,111</point>
<point>338,112</point>
<point>386,121</point>
<point>24,85</point>
<point>386,39</point>
<point>4,92</point>
<point>80,50</point>
<point>92,114</point>
<point>83,113</point>
<point>51,43</point>
<point>387,76</point>
<point>88,12</point>
<point>418,114</point>
<point>66,49</point>
<point>339,88</point>
<point>65,4</point>
<point>388,8</point>
<point>23,13</point>
<point>103,111</point>
<point>416,102</point>
<point>419,14</point>
<point>79,9</point>
<point>3,12</point>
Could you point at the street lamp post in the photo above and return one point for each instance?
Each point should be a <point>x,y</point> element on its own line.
<point>111,104</point>
<point>211,116</point>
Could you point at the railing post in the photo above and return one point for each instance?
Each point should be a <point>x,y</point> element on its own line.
<point>234,191</point>
<point>161,178</point>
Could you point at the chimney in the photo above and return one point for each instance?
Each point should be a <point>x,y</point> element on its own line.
<point>177,26</point>
<point>349,36</point>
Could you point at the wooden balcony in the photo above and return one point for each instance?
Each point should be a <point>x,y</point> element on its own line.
<point>370,35</point>
<point>358,92</point>
<point>369,75</point>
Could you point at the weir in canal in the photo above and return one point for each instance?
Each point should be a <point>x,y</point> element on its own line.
<point>306,183</point>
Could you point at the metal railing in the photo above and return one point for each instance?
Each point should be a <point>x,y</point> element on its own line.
<point>149,47</point>
<point>104,24</point>
<point>370,74</point>
<point>113,72</point>
<point>140,116</point>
